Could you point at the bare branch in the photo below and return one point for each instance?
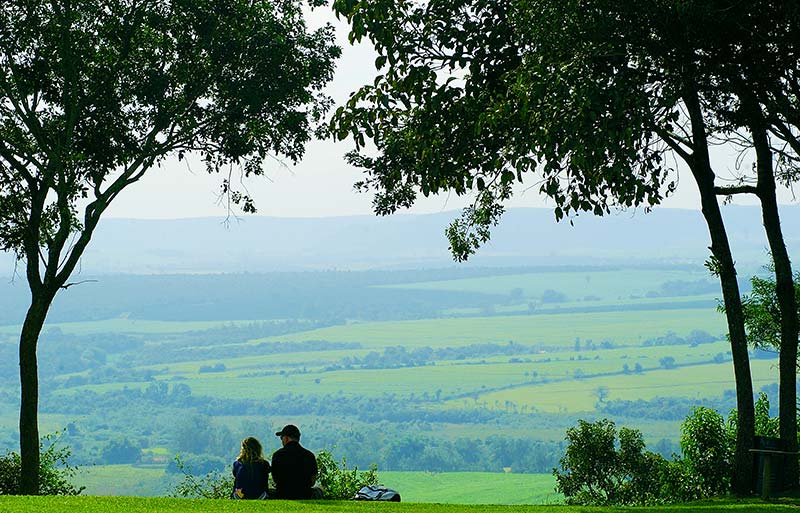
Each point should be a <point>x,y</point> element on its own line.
<point>70,284</point>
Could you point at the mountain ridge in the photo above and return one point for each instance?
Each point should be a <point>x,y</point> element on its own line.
<point>525,236</point>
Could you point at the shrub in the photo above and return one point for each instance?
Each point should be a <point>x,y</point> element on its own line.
<point>340,483</point>
<point>55,472</point>
<point>706,447</point>
<point>213,485</point>
<point>595,472</point>
<point>765,425</point>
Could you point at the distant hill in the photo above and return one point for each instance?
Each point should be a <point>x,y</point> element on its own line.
<point>524,237</point>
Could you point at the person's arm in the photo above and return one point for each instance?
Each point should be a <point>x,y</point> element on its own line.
<point>277,474</point>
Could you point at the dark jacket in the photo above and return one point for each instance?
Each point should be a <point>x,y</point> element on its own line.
<point>294,470</point>
<point>250,479</point>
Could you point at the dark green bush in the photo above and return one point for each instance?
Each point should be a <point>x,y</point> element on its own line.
<point>339,482</point>
<point>597,471</point>
<point>707,451</point>
<point>55,472</point>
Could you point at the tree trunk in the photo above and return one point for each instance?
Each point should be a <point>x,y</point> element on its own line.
<point>787,304</point>
<point>29,393</point>
<point>742,481</point>
<point>700,165</point>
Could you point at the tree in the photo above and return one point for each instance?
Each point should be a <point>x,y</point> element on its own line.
<point>754,99</point>
<point>586,100</point>
<point>95,94</point>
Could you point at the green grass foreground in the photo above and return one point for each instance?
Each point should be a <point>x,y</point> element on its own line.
<point>166,505</point>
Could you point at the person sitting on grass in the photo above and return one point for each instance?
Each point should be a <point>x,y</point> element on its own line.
<point>250,471</point>
<point>294,468</point>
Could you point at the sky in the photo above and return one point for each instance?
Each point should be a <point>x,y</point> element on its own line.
<point>321,185</point>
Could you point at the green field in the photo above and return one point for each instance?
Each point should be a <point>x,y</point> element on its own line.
<point>473,487</point>
<point>630,327</point>
<point>442,487</point>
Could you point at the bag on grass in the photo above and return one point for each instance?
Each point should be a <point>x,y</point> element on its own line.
<point>376,493</point>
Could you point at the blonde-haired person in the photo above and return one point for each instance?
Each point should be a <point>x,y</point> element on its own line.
<point>250,471</point>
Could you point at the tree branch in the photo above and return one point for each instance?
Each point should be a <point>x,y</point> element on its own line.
<point>735,189</point>
<point>674,142</point>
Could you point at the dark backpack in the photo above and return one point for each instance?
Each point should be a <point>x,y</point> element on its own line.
<point>376,493</point>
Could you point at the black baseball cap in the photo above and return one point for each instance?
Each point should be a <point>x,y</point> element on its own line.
<point>289,430</point>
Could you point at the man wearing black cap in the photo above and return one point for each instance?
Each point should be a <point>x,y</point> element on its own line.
<point>294,468</point>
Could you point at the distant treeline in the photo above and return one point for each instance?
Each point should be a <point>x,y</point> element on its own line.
<point>109,357</point>
<point>326,296</point>
<point>111,429</point>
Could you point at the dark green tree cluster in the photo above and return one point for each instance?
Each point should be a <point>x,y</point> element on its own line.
<point>597,469</point>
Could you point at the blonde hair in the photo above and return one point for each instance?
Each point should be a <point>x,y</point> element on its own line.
<point>251,450</point>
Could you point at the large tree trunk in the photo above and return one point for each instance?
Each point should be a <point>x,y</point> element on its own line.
<point>29,393</point>
<point>700,164</point>
<point>742,481</point>
<point>787,304</point>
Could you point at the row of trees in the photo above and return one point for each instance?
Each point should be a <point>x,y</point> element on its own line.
<point>586,100</point>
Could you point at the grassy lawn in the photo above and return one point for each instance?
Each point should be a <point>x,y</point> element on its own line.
<point>473,487</point>
<point>163,505</point>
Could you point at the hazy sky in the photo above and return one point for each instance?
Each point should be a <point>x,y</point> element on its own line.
<point>321,185</point>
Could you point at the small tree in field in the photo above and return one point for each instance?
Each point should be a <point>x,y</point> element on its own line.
<point>94,94</point>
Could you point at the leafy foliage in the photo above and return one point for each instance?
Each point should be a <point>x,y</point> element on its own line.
<point>762,316</point>
<point>594,471</point>
<point>55,472</point>
<point>475,95</point>
<point>765,425</point>
<point>707,453</point>
<point>339,482</point>
<point>213,485</point>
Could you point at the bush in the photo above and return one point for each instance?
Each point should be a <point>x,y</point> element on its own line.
<point>594,472</point>
<point>707,452</point>
<point>213,485</point>
<point>55,472</point>
<point>338,482</point>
